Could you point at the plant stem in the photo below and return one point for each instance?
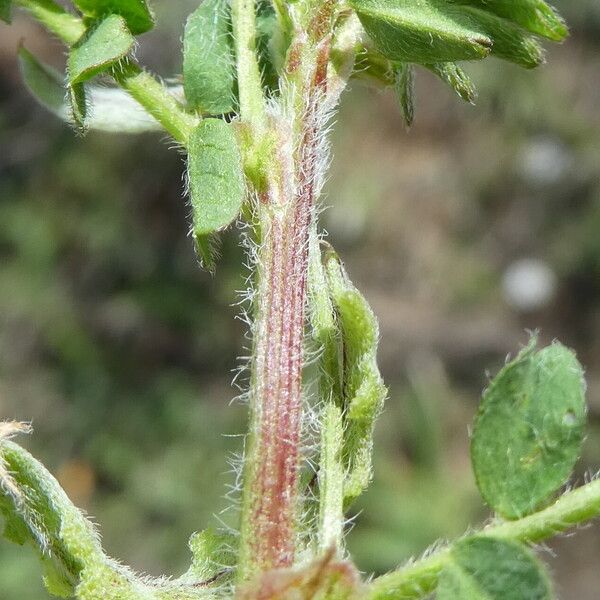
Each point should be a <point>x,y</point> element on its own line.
<point>331,479</point>
<point>56,19</point>
<point>271,479</point>
<point>270,503</point>
<point>251,98</point>
<point>144,88</point>
<point>572,508</point>
<point>419,579</point>
<point>156,99</point>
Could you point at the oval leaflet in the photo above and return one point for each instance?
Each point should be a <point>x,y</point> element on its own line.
<point>216,180</point>
<point>485,568</point>
<point>528,432</point>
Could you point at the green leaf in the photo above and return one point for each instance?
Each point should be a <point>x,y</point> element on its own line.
<point>111,109</point>
<point>484,568</point>
<point>363,389</point>
<point>78,105</point>
<point>5,6</point>
<point>45,84</point>
<point>136,13</point>
<point>213,555</point>
<point>36,510</point>
<point>510,42</point>
<point>429,31</point>
<point>100,48</point>
<point>452,75</point>
<point>422,32</point>
<point>216,179</point>
<point>208,59</point>
<point>528,432</point>
<point>534,15</point>
<point>405,91</point>
<point>271,44</point>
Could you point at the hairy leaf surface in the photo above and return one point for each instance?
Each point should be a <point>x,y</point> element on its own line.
<point>208,59</point>
<point>363,389</point>
<point>534,15</point>
<point>100,48</point>
<point>213,555</point>
<point>136,13</point>
<point>431,31</point>
<point>216,180</point>
<point>529,429</point>
<point>484,568</point>
<point>510,41</point>
<point>36,510</point>
<point>111,109</point>
<point>427,31</point>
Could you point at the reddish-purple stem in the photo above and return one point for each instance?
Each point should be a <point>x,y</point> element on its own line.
<point>277,369</point>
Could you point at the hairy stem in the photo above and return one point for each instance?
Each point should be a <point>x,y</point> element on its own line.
<point>572,508</point>
<point>270,504</point>
<point>156,99</point>
<point>419,579</point>
<point>271,494</point>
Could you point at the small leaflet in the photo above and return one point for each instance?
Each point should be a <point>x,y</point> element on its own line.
<point>452,75</point>
<point>363,389</point>
<point>427,31</point>
<point>136,13</point>
<point>99,49</point>
<point>111,109</point>
<point>433,31</point>
<point>528,432</point>
<point>510,41</point>
<point>214,555</point>
<point>208,59</point>
<point>485,568</point>
<point>216,181</point>
<point>44,83</point>
<point>536,16</point>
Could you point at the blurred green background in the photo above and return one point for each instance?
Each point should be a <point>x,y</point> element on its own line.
<point>478,224</point>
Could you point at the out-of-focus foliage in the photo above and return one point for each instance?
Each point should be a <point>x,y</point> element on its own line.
<point>116,344</point>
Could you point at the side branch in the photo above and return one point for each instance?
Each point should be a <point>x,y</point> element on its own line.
<point>156,99</point>
<point>419,579</point>
<point>142,86</point>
